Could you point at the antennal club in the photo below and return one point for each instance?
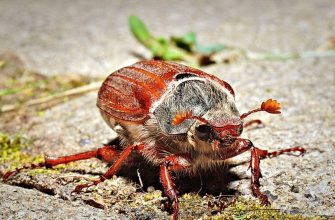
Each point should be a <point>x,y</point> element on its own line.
<point>181,117</point>
<point>271,106</point>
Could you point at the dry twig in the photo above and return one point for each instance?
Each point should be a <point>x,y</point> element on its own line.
<point>66,94</point>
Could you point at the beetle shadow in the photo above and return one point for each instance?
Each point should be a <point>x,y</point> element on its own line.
<point>214,181</point>
<point>137,55</point>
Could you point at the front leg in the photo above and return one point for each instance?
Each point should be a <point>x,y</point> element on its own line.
<point>258,154</point>
<point>242,145</point>
<point>256,175</point>
<point>173,163</point>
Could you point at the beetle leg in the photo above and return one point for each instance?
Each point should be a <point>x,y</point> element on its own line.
<point>265,153</point>
<point>10,173</point>
<point>242,145</point>
<point>113,169</point>
<point>173,163</point>
<point>238,147</point>
<point>256,174</point>
<point>258,154</point>
<point>252,122</point>
<point>105,153</point>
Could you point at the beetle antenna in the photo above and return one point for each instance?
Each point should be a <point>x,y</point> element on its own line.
<point>180,117</point>
<point>271,106</point>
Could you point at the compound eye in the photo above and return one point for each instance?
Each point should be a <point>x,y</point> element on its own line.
<point>203,132</point>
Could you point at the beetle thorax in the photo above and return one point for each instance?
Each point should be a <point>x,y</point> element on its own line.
<point>201,96</point>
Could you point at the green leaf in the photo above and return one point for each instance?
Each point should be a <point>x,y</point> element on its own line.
<point>172,54</point>
<point>4,92</point>
<point>186,42</point>
<point>2,63</point>
<point>161,47</point>
<point>190,38</point>
<point>139,30</point>
<point>210,49</point>
<point>158,46</point>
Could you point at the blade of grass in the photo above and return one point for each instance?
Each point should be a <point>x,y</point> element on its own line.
<point>66,94</point>
<point>288,56</point>
<point>4,92</point>
<point>160,47</point>
<point>2,63</point>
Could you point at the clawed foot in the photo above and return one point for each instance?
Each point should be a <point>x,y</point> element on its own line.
<point>300,152</point>
<point>221,204</point>
<point>10,173</point>
<point>6,176</point>
<point>80,188</point>
<point>264,200</point>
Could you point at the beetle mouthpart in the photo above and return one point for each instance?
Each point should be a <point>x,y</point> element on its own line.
<point>224,134</point>
<point>220,123</point>
<point>228,130</point>
<point>216,145</point>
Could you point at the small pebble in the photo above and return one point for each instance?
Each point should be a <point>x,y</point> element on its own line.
<point>294,189</point>
<point>84,141</point>
<point>150,189</point>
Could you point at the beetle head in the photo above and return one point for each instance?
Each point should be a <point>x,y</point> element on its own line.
<point>201,109</point>
<point>209,137</point>
<point>217,129</point>
<point>194,94</point>
<point>221,129</point>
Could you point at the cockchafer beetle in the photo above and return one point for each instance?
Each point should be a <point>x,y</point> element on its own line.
<point>177,118</point>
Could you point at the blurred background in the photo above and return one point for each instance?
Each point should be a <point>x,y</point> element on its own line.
<point>94,37</point>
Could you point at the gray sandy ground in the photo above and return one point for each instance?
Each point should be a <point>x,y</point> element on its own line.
<point>31,204</point>
<point>92,38</point>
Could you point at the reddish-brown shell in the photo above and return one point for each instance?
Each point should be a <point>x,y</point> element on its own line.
<point>128,93</point>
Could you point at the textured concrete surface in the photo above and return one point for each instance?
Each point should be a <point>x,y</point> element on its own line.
<point>32,204</point>
<point>93,38</point>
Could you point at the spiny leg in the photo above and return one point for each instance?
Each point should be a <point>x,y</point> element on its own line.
<point>113,169</point>
<point>10,173</point>
<point>256,175</point>
<point>105,153</point>
<point>264,153</point>
<point>252,122</point>
<point>240,146</point>
<point>173,163</point>
<point>258,154</point>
